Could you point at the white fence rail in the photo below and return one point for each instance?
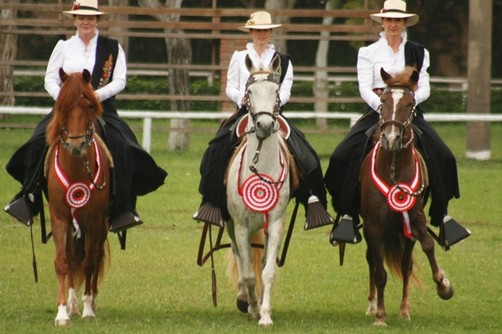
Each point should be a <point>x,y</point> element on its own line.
<point>148,116</point>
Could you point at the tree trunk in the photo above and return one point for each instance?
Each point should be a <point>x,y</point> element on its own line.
<point>321,87</point>
<point>479,77</point>
<point>274,5</point>
<point>179,52</point>
<point>8,49</point>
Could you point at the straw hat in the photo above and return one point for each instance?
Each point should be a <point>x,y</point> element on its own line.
<point>395,9</point>
<point>259,20</point>
<point>84,7</point>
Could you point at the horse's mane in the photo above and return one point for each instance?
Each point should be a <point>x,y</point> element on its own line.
<point>403,79</point>
<point>73,91</point>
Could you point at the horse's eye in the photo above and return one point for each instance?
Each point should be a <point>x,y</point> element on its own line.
<point>91,108</point>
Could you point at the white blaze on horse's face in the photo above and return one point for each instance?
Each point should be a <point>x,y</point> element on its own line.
<point>394,134</point>
<point>263,99</point>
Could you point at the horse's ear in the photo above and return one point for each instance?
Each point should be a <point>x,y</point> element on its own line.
<point>249,63</point>
<point>62,75</point>
<point>414,77</point>
<point>86,75</point>
<point>276,63</point>
<point>385,76</point>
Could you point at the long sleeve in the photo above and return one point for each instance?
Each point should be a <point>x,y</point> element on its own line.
<point>287,83</point>
<point>118,82</point>
<point>365,72</point>
<point>235,90</point>
<point>52,83</point>
<point>424,89</point>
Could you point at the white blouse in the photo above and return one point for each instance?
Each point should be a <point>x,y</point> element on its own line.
<point>238,74</point>
<point>379,54</point>
<point>73,56</point>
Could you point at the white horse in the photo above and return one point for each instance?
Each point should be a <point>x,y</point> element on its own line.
<point>258,190</point>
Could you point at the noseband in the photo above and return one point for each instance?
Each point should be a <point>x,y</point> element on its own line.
<point>403,126</point>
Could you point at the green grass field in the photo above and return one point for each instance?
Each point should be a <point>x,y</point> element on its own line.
<point>155,285</point>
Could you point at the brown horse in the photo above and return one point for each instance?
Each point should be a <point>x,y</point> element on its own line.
<point>78,174</point>
<point>393,178</point>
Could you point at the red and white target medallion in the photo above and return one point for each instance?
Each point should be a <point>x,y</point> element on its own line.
<point>399,198</point>
<point>259,195</point>
<point>78,194</point>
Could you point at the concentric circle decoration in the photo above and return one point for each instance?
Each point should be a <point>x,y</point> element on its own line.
<point>259,195</point>
<point>399,200</point>
<point>77,195</point>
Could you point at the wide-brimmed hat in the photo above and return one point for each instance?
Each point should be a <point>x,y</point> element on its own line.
<point>84,7</point>
<point>395,9</point>
<point>259,20</point>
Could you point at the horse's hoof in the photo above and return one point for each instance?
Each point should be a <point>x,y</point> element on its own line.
<point>405,316</point>
<point>379,323</point>
<point>446,294</point>
<point>242,305</point>
<point>61,323</point>
<point>264,324</point>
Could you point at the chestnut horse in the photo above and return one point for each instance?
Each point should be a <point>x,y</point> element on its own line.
<point>77,169</point>
<point>393,179</point>
<point>258,191</point>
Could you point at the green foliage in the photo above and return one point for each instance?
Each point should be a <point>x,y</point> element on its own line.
<point>301,88</point>
<point>444,101</point>
<point>26,83</point>
<point>441,100</point>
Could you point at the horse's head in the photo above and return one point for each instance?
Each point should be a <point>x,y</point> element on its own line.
<point>76,110</point>
<point>262,97</point>
<point>397,109</point>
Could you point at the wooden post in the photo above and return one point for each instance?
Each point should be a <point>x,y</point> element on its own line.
<point>479,77</point>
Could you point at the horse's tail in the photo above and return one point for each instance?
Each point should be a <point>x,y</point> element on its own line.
<point>79,256</point>
<point>257,256</point>
<point>393,249</point>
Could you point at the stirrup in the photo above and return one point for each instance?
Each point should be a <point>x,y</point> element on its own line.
<point>316,214</point>
<point>345,231</point>
<point>209,213</point>
<point>124,221</point>
<point>21,209</point>
<point>451,232</point>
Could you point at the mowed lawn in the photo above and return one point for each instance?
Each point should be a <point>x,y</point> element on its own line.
<point>155,285</point>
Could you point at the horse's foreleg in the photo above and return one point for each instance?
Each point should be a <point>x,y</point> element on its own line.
<point>90,267</point>
<point>406,270</point>
<point>443,286</point>
<point>72,293</point>
<point>380,277</point>
<point>59,231</point>
<point>235,272</point>
<point>73,301</point>
<point>247,278</point>
<point>274,239</point>
<point>380,281</point>
<point>372,297</point>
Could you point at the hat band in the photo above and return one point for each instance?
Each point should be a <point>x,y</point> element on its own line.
<point>393,11</point>
<point>88,8</point>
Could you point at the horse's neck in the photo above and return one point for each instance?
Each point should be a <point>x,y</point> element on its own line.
<point>74,166</point>
<point>401,162</point>
<point>268,157</point>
